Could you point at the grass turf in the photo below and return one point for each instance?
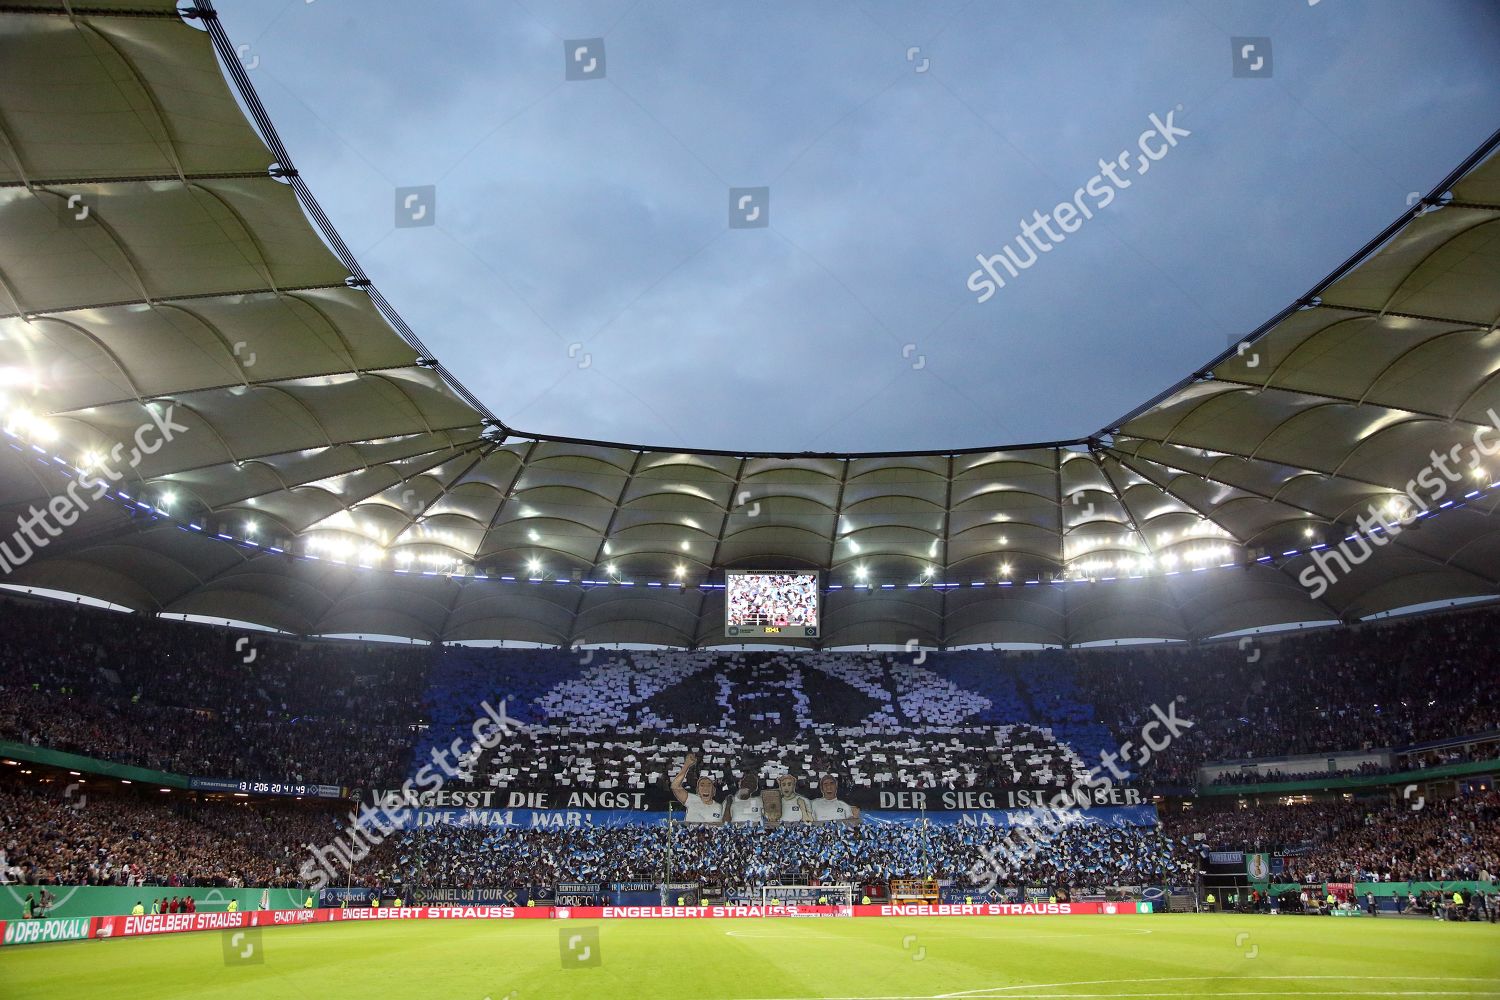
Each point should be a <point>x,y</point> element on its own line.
<point>920,957</point>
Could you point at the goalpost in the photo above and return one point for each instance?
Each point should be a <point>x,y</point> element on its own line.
<point>840,896</point>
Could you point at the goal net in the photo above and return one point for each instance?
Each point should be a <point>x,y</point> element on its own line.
<point>840,897</point>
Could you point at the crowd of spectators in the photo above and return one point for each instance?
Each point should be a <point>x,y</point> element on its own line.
<point>1378,685</point>
<point>71,839</point>
<point>1271,775</point>
<point>1447,840</point>
<point>1469,751</point>
<point>76,839</point>
<point>1260,828</point>
<point>1074,855</point>
<point>181,697</point>
<point>214,702</point>
<point>1408,839</point>
<point>195,699</point>
<point>966,720</point>
<point>624,720</point>
<point>52,838</point>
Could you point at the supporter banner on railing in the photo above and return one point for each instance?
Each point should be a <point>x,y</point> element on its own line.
<point>659,799</point>
<point>579,893</point>
<point>500,798</point>
<point>408,819</point>
<point>468,897</point>
<point>334,895</point>
<point>985,799</point>
<point>1119,816</point>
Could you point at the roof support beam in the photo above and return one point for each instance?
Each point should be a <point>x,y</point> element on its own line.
<point>226,175</point>
<point>158,300</point>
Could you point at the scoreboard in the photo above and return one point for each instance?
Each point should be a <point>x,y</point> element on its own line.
<point>781,603</point>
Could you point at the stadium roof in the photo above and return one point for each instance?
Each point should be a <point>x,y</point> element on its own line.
<point>158,252</point>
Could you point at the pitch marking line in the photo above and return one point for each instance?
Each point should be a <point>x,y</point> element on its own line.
<point>1009,990</point>
<point>1205,979</point>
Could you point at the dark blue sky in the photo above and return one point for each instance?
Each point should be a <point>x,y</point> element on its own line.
<point>581,276</point>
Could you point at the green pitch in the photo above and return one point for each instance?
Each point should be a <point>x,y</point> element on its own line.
<point>1053,958</point>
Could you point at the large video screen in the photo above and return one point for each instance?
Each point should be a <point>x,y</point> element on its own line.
<point>758,602</point>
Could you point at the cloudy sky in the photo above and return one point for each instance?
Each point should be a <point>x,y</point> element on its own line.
<point>578,271</point>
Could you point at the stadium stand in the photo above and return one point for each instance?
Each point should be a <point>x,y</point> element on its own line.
<point>1455,839</point>
<point>124,840</point>
<point>107,685</point>
<point>829,853</point>
<point>1379,685</point>
<point>1372,841</point>
<point>180,697</point>
<point>627,720</point>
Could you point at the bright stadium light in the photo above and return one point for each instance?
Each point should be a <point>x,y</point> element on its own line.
<point>14,375</point>
<point>20,421</point>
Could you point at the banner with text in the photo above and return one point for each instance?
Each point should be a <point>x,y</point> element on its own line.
<point>659,799</point>
<point>176,923</point>
<point>527,819</point>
